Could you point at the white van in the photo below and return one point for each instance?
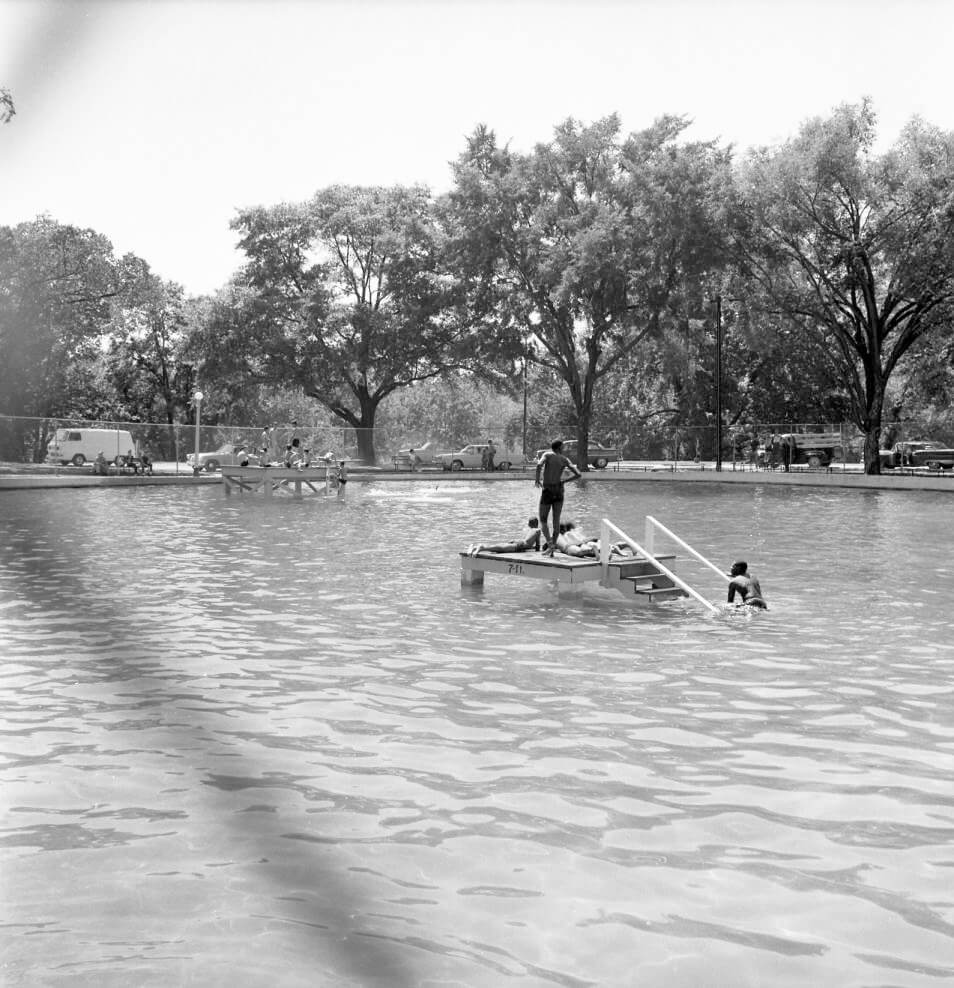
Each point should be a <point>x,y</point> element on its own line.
<point>79,446</point>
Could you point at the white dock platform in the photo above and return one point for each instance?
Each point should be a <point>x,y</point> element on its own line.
<point>636,574</point>
<point>570,572</point>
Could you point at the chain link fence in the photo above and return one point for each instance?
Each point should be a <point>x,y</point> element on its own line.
<point>750,446</point>
<point>63,442</point>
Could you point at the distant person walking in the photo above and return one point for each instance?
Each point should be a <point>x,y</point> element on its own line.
<point>491,453</point>
<point>342,477</point>
<point>553,465</point>
<point>265,444</point>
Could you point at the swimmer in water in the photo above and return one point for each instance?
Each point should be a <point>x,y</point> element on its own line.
<point>746,586</point>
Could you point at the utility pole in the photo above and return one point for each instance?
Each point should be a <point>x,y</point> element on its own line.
<point>718,382</point>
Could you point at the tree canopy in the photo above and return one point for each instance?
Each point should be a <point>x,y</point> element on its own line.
<point>853,247</point>
<point>347,297</point>
<point>590,243</point>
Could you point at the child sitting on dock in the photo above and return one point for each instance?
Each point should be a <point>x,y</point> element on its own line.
<point>531,541</point>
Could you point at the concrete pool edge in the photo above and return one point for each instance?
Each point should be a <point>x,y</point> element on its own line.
<point>814,479</point>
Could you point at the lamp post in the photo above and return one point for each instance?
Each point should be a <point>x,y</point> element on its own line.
<point>197,397</point>
<point>718,382</point>
<point>526,355</point>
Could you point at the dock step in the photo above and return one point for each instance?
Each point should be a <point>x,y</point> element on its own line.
<point>661,593</point>
<point>628,567</point>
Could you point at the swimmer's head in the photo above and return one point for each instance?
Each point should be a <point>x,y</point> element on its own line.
<point>739,568</point>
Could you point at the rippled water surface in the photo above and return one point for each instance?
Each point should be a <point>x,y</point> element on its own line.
<point>279,744</point>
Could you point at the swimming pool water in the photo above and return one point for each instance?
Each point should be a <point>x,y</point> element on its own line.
<point>279,744</point>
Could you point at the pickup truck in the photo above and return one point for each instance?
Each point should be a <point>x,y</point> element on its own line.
<point>817,449</point>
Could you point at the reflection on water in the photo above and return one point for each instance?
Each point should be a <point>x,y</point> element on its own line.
<point>256,744</point>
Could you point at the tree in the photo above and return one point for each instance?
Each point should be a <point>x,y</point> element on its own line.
<point>349,299</point>
<point>149,330</point>
<point>852,247</point>
<point>588,242</point>
<point>59,282</point>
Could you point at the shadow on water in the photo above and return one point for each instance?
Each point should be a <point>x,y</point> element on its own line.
<point>121,675</point>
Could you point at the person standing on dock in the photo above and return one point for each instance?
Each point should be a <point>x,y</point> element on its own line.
<point>553,464</point>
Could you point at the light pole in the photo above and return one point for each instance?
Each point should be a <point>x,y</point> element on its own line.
<point>197,397</point>
<point>526,355</point>
<point>718,382</point>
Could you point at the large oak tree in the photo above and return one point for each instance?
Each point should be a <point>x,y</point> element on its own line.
<point>589,243</point>
<point>853,247</point>
<point>347,297</point>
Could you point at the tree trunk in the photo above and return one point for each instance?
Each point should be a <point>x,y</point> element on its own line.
<point>873,449</point>
<point>872,430</point>
<point>362,423</point>
<point>365,437</point>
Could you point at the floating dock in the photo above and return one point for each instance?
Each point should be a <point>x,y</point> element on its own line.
<point>636,571</point>
<point>278,481</point>
<point>636,575</point>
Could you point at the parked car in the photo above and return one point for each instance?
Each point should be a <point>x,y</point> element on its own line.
<point>425,456</point>
<point>471,458</point>
<point>597,455</point>
<point>922,453</point>
<point>229,455</point>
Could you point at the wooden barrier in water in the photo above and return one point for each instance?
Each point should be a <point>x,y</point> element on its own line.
<point>277,481</point>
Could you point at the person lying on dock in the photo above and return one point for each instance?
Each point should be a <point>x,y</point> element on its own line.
<point>573,544</point>
<point>746,586</point>
<point>531,541</point>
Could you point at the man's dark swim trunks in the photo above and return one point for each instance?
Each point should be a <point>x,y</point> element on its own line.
<point>551,494</point>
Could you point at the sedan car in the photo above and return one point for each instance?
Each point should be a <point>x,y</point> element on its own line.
<point>922,453</point>
<point>471,458</point>
<point>597,455</point>
<point>229,455</point>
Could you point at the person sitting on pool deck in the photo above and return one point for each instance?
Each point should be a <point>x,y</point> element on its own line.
<point>746,586</point>
<point>553,464</point>
<point>532,541</point>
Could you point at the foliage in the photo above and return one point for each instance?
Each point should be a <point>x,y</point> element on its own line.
<point>348,299</point>
<point>148,333</point>
<point>853,248</point>
<point>586,244</point>
<point>59,282</point>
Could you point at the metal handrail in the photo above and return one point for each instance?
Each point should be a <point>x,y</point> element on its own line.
<point>606,526</point>
<point>650,521</point>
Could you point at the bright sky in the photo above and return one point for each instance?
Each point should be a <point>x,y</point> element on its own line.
<point>153,122</point>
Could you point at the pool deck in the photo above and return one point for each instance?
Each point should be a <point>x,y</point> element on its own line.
<point>66,478</point>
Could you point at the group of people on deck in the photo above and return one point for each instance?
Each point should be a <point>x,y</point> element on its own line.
<point>295,456</point>
<point>551,477</point>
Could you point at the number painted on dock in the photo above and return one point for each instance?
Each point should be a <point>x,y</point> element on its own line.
<point>516,568</point>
